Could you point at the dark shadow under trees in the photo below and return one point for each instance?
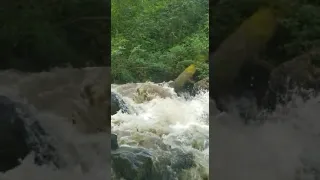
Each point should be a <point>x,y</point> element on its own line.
<point>37,35</point>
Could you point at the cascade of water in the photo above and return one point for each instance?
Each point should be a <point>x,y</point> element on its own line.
<point>173,129</point>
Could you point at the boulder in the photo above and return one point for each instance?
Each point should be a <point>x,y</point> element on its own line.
<point>182,160</point>
<point>298,74</point>
<point>202,84</point>
<point>132,163</point>
<point>186,76</point>
<point>13,135</point>
<point>236,50</point>
<point>17,139</point>
<point>172,164</point>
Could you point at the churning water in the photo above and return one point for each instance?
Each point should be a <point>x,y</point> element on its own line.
<point>164,124</point>
<point>51,97</point>
<point>288,142</point>
<point>286,147</point>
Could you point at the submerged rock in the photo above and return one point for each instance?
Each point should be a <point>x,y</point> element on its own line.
<point>17,139</point>
<point>147,92</point>
<point>132,163</point>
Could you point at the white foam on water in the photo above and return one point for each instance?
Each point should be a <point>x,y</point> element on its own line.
<point>175,121</point>
<point>50,96</point>
<point>269,151</point>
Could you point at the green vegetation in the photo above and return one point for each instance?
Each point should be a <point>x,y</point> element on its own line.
<point>298,25</point>
<point>36,35</point>
<point>156,40</point>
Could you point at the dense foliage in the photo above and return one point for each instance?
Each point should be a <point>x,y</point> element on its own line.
<point>156,40</point>
<point>36,35</point>
<point>299,25</point>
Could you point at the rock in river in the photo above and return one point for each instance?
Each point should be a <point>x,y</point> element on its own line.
<point>117,104</point>
<point>132,163</point>
<point>114,142</point>
<point>17,140</point>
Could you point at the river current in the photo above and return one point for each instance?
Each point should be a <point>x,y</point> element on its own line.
<point>179,122</point>
<point>285,147</point>
<point>51,98</point>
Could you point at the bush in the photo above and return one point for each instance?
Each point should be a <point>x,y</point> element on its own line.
<point>156,40</point>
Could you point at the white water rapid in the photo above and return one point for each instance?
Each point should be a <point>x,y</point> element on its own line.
<point>277,150</point>
<point>286,147</point>
<point>164,124</point>
<point>51,98</point>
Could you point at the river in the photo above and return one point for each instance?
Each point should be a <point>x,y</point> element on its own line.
<point>51,97</point>
<point>285,147</point>
<point>165,126</point>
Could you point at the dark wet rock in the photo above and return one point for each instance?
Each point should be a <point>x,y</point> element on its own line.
<point>252,79</point>
<point>182,160</point>
<point>38,142</point>
<point>171,164</point>
<point>132,163</point>
<point>18,139</point>
<point>13,145</point>
<point>114,142</point>
<point>294,78</point>
<point>177,159</point>
<point>202,84</point>
<point>117,104</point>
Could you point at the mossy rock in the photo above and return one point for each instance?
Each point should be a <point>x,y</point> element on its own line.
<point>179,83</point>
<point>241,46</point>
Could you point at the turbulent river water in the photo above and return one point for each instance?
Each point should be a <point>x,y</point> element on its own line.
<point>178,122</point>
<point>286,147</point>
<point>51,97</point>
